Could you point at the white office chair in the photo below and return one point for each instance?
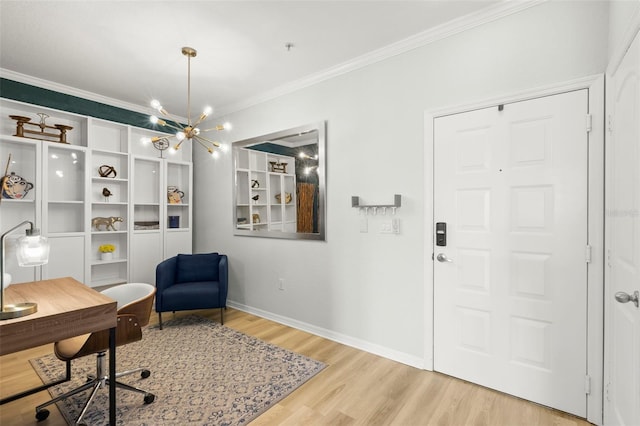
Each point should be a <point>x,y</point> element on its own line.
<point>135,301</point>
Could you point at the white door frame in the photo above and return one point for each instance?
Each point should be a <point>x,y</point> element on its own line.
<point>595,302</point>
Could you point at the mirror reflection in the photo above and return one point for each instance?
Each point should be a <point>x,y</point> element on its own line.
<point>279,184</point>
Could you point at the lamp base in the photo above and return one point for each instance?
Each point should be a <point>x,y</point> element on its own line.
<point>18,310</point>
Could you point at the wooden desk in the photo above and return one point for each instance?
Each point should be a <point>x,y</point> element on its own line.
<point>66,308</point>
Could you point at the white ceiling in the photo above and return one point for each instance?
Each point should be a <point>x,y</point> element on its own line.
<point>131,50</point>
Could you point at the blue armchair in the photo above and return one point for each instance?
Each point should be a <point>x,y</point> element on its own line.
<point>192,281</point>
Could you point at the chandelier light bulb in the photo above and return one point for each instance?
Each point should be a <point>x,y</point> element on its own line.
<point>155,104</point>
<point>153,119</point>
<point>180,136</point>
<point>227,126</point>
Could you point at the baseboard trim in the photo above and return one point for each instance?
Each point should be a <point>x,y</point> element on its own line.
<point>353,342</point>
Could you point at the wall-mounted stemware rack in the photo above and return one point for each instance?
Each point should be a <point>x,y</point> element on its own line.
<point>397,201</point>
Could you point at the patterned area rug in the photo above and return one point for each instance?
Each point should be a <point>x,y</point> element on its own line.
<point>202,373</point>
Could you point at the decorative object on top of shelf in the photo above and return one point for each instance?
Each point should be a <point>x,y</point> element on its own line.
<point>106,193</point>
<point>32,250</point>
<point>107,171</point>
<point>191,131</point>
<point>255,183</point>
<point>41,134</point>
<point>160,144</point>
<point>107,222</point>
<point>278,167</point>
<point>174,195</point>
<point>287,197</point>
<point>15,187</point>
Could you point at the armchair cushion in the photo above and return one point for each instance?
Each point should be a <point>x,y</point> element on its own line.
<point>197,267</point>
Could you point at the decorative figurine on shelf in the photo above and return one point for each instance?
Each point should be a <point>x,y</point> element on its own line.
<point>106,251</point>
<point>287,197</point>
<point>174,195</point>
<point>15,187</point>
<point>40,134</point>
<point>106,193</point>
<point>255,218</point>
<point>278,167</point>
<point>255,198</point>
<point>255,183</point>
<point>106,171</point>
<point>107,222</point>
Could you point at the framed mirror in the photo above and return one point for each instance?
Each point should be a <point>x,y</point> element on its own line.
<point>279,184</point>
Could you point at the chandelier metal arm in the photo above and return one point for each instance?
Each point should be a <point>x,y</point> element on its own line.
<point>218,127</point>
<point>166,124</point>
<point>208,148</point>
<point>216,144</point>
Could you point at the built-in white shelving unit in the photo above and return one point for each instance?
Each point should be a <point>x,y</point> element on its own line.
<point>69,191</point>
<point>265,195</point>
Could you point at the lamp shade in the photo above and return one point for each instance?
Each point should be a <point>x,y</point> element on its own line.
<point>32,250</point>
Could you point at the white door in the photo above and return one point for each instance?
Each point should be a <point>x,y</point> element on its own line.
<point>510,286</point>
<point>622,320</point>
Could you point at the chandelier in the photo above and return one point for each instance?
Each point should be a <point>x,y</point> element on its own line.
<point>190,131</point>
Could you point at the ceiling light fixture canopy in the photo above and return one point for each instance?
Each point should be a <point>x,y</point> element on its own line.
<point>191,131</point>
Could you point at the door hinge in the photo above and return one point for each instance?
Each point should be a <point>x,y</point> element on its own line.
<point>587,385</point>
<point>609,123</point>
<point>587,254</point>
<point>589,122</point>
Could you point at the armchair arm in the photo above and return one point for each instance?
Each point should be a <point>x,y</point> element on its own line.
<point>223,277</point>
<point>165,278</point>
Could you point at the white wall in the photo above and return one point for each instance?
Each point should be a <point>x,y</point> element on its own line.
<point>368,288</point>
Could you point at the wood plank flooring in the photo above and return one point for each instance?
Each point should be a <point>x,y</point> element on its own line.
<point>356,388</point>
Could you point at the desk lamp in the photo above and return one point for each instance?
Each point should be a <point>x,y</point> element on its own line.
<point>32,250</point>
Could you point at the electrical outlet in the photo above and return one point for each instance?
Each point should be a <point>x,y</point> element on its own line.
<point>281,284</point>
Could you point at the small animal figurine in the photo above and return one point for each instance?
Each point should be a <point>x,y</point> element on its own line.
<point>107,222</point>
<point>106,193</point>
<point>255,197</point>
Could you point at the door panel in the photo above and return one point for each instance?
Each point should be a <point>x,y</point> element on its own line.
<point>622,320</point>
<point>510,308</point>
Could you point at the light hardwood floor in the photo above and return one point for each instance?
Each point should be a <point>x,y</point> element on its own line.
<point>356,388</point>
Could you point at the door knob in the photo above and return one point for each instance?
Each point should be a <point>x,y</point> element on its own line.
<point>443,258</point>
<point>623,297</point>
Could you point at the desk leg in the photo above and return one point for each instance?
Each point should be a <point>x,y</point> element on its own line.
<point>112,376</point>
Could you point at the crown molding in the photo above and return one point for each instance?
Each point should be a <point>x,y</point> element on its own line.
<point>73,91</point>
<point>456,26</point>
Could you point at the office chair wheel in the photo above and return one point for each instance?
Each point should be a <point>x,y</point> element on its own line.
<point>148,398</point>
<point>42,414</point>
<point>145,374</point>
